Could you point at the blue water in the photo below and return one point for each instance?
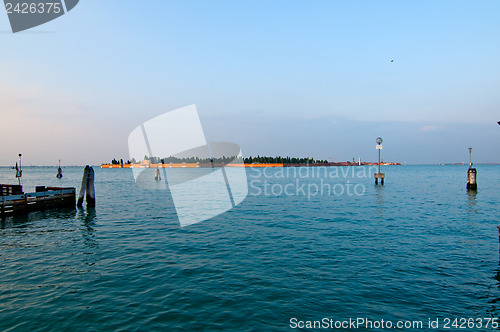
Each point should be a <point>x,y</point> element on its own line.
<point>419,247</point>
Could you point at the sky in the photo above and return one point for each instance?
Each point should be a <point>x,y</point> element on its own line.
<point>278,77</point>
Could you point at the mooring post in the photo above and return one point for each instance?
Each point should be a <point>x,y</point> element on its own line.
<point>83,187</point>
<point>471,174</point>
<point>87,188</point>
<point>157,174</point>
<point>90,188</point>
<point>471,179</point>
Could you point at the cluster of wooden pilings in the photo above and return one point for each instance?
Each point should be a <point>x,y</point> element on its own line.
<point>87,188</point>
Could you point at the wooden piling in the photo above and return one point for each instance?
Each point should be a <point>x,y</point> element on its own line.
<point>471,174</point>
<point>380,176</point>
<point>87,189</point>
<point>157,174</point>
<point>90,189</point>
<point>471,179</point>
<point>83,187</point>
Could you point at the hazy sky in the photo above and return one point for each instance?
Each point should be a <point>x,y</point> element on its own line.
<point>278,77</point>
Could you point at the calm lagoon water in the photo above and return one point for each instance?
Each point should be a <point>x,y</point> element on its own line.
<point>419,247</point>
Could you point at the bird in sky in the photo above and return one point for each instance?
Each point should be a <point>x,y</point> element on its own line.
<point>392,60</point>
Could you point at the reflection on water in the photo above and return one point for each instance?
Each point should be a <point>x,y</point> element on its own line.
<point>87,219</point>
<point>494,296</point>
<point>413,249</point>
<point>472,201</point>
<point>380,202</point>
<point>494,290</point>
<point>25,220</point>
<point>57,222</point>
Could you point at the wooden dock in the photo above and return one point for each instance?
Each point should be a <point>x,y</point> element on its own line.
<point>14,201</point>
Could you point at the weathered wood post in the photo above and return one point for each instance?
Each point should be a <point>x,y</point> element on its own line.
<point>379,175</point>
<point>471,174</point>
<point>90,188</point>
<point>157,174</point>
<point>471,179</point>
<point>87,187</point>
<point>83,187</point>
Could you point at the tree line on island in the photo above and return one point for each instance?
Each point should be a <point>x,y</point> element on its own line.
<point>223,159</point>
<point>282,160</point>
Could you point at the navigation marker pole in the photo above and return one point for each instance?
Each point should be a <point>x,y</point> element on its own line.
<point>59,171</point>
<point>19,170</point>
<point>379,175</point>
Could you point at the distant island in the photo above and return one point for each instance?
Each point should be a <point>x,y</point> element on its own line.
<point>259,161</point>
